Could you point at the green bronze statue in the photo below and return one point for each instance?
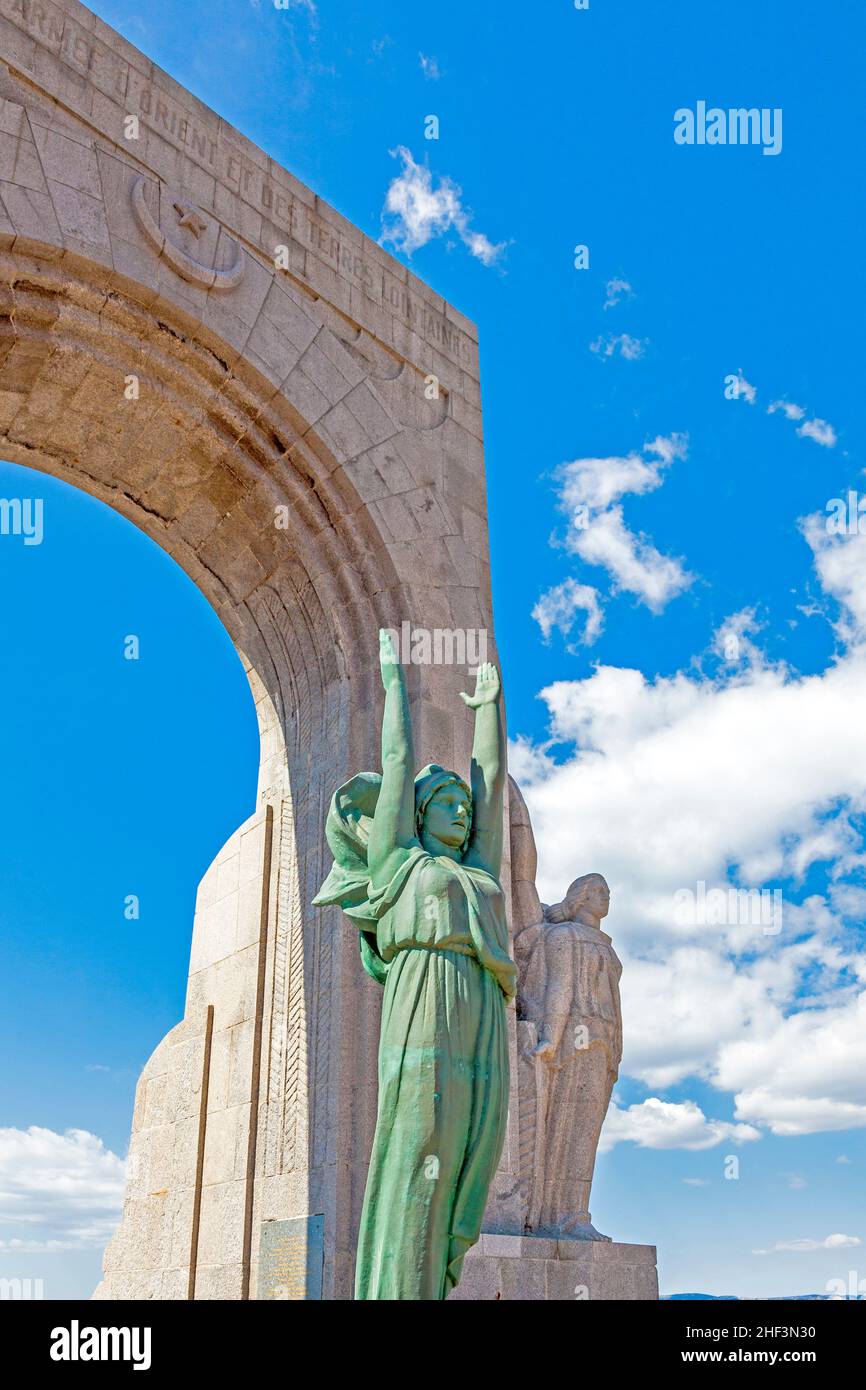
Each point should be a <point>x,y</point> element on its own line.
<point>417,864</point>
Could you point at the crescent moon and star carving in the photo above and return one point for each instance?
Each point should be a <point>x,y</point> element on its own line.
<point>189,224</point>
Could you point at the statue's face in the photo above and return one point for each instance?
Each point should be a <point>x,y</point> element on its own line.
<point>594,899</point>
<point>599,900</point>
<point>447,816</point>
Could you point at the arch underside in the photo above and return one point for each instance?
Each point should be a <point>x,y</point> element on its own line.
<point>304,550</point>
<point>294,389</point>
<point>209,460</point>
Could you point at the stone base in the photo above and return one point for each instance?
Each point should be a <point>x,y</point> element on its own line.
<point>532,1269</point>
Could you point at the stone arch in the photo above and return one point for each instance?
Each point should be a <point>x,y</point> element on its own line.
<point>290,387</point>
<point>209,460</point>
<point>216,462</point>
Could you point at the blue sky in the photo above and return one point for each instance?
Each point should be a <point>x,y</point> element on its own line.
<point>661,753</point>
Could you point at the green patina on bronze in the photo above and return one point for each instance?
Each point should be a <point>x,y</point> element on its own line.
<point>416,867</point>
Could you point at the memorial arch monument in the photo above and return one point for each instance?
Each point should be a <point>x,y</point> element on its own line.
<point>282,447</point>
<point>192,336</point>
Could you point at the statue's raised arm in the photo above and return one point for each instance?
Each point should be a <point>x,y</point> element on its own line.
<point>488,772</point>
<point>393,831</point>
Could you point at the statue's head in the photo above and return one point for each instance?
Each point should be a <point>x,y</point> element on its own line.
<point>588,895</point>
<point>443,809</point>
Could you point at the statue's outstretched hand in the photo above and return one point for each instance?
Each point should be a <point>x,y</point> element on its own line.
<point>392,671</point>
<point>487,687</point>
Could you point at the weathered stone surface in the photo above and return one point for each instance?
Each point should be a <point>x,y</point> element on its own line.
<point>569,1039</point>
<point>537,1270</point>
<point>569,1045</point>
<point>154,352</point>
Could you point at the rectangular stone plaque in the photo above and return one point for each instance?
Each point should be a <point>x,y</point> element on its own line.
<point>291,1256</point>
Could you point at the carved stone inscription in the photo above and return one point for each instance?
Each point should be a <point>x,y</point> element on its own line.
<point>291,1258</point>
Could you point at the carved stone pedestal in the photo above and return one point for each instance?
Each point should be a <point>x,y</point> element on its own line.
<point>534,1270</point>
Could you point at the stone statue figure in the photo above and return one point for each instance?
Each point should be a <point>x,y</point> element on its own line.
<point>569,1039</point>
<point>417,865</point>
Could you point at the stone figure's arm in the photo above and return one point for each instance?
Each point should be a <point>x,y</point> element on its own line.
<point>558,994</point>
<point>488,771</point>
<point>393,830</point>
<point>525,904</point>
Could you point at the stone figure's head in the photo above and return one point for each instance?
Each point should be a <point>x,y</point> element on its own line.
<point>588,896</point>
<point>443,808</point>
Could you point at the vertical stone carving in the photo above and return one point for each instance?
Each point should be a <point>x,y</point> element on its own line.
<point>296,1095</point>
<point>569,1039</point>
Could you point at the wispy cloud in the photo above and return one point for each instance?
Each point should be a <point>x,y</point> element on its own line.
<point>821,431</point>
<point>732,640</point>
<point>805,1246</point>
<point>589,494</point>
<point>616,290</point>
<point>632,561</point>
<point>559,607</point>
<point>66,1189</point>
<point>743,389</point>
<point>788,409</point>
<point>661,1124</point>
<point>796,1181</point>
<point>419,207</point>
<point>430,68</point>
<point>608,345</point>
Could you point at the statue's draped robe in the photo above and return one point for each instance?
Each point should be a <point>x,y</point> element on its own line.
<point>436,937</point>
<point>572,1093</point>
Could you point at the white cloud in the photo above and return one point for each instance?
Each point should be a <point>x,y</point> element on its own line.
<point>67,1185</point>
<point>732,641</point>
<point>589,490</point>
<point>668,448</point>
<point>805,1246</point>
<point>725,774</point>
<point>46,1247</point>
<point>745,389</point>
<point>819,430</point>
<point>616,290</point>
<point>682,1006</point>
<point>840,562</point>
<point>598,482</point>
<point>559,607</point>
<point>419,207</point>
<point>632,561</point>
<point>607,345</point>
<point>796,1182</point>
<point>804,1072</point>
<point>480,246</point>
<point>659,1124</point>
<point>788,408</point>
<point>430,68</point>
<point>696,1182</point>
